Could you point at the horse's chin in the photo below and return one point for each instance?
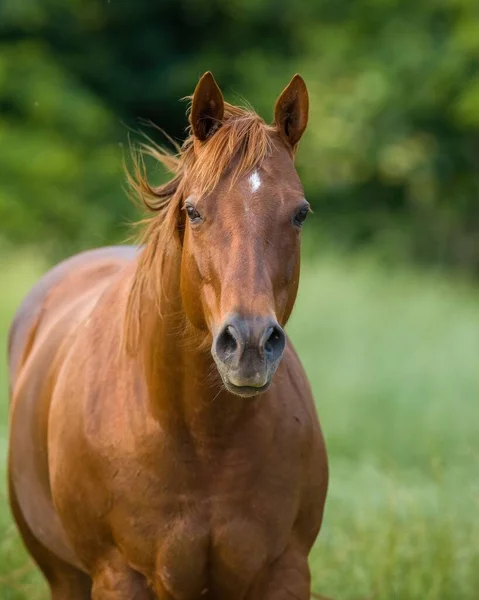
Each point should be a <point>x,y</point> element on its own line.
<point>245,391</point>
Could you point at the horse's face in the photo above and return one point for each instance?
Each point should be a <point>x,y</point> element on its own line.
<point>241,258</point>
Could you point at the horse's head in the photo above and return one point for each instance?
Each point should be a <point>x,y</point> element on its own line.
<point>241,236</point>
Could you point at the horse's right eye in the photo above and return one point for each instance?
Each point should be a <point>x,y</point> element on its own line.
<point>193,215</point>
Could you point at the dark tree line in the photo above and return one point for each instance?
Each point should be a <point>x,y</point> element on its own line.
<point>390,158</point>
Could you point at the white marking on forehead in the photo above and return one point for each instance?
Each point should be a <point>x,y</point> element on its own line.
<point>254,181</point>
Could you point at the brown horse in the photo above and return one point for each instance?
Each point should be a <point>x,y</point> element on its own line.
<point>152,452</point>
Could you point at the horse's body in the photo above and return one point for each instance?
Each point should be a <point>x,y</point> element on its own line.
<point>136,476</point>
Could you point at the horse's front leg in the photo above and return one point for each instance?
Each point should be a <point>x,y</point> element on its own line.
<point>114,579</point>
<point>288,578</point>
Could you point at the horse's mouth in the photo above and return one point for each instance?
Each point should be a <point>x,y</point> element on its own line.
<point>245,391</point>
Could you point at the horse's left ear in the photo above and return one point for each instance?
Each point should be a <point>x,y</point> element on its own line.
<point>291,111</point>
<point>207,108</point>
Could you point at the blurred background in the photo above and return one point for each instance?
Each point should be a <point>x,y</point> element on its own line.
<point>387,320</point>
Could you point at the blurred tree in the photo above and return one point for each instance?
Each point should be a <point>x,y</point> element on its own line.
<point>389,158</point>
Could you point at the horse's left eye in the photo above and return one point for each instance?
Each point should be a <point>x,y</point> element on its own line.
<point>192,213</point>
<point>300,216</point>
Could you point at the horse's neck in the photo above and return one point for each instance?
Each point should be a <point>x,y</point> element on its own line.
<point>183,384</point>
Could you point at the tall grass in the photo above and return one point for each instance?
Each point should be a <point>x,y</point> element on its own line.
<point>19,579</point>
<point>392,357</point>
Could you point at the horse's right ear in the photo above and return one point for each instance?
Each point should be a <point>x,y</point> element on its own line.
<point>207,108</point>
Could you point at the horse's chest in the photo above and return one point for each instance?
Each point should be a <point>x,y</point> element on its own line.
<point>205,547</point>
<point>214,561</point>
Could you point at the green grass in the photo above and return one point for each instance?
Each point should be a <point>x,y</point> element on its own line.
<point>19,579</point>
<point>393,357</point>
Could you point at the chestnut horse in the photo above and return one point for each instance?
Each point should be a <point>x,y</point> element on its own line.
<point>164,441</point>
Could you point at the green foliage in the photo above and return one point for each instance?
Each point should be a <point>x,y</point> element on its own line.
<point>389,158</point>
<point>392,359</point>
<point>60,168</point>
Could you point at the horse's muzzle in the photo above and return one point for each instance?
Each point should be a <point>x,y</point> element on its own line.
<point>247,352</point>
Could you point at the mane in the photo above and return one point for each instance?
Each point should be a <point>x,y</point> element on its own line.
<point>240,144</point>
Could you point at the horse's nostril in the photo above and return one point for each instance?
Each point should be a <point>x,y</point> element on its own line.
<point>275,343</point>
<point>229,341</point>
<point>226,343</point>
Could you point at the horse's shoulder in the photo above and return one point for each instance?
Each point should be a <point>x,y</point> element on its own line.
<point>67,280</point>
<point>298,403</point>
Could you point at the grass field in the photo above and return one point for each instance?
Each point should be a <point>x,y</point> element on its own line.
<point>393,357</point>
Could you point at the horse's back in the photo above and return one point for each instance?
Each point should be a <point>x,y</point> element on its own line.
<point>63,284</point>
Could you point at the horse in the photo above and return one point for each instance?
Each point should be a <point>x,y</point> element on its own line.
<point>164,442</point>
